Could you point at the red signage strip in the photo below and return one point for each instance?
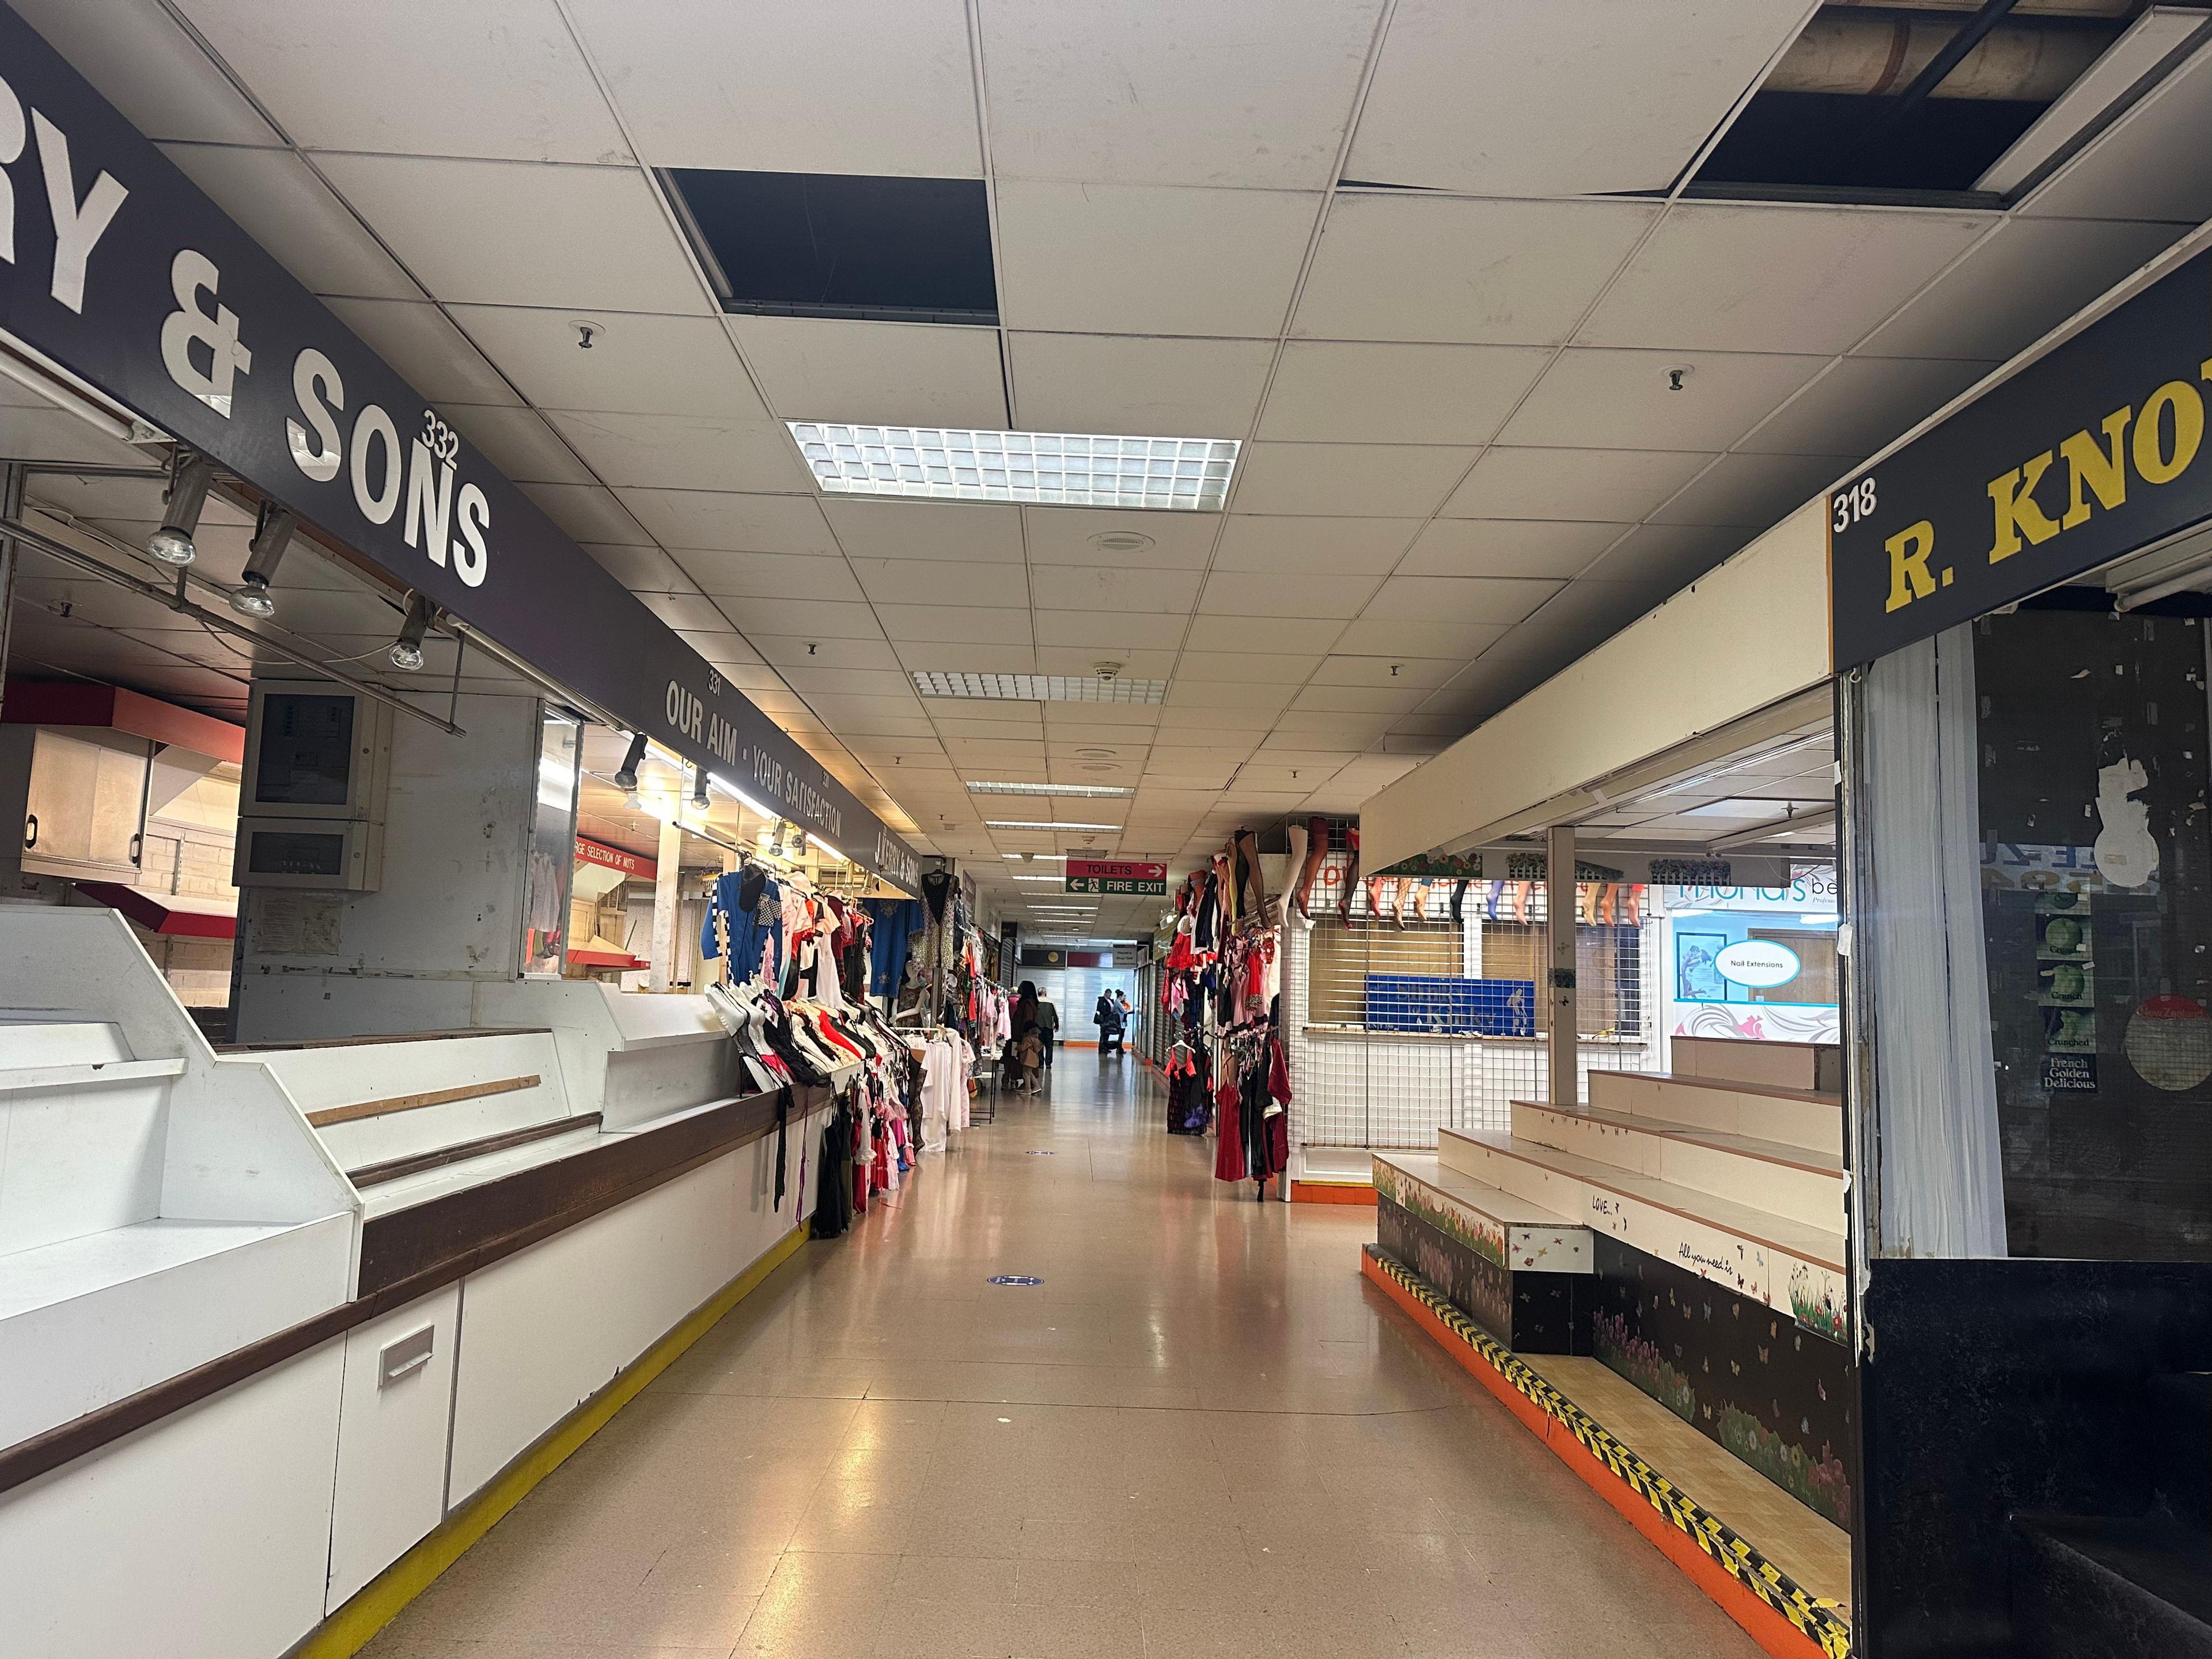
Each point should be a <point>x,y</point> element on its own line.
<point>630,863</point>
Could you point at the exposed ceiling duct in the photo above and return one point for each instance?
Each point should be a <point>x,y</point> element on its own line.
<point>1866,52</point>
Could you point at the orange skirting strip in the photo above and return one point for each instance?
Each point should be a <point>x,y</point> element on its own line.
<point>1333,1192</point>
<point>1769,1628</point>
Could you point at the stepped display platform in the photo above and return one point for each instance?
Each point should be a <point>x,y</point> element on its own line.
<point>1506,1262</point>
<point>1694,1283</point>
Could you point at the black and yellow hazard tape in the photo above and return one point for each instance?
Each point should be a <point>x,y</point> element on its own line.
<point>1816,1618</point>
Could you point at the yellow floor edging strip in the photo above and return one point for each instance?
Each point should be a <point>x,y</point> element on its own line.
<point>380,1601</point>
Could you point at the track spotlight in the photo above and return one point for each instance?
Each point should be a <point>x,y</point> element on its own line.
<point>407,650</point>
<point>699,787</point>
<point>625,775</point>
<point>189,479</point>
<point>270,538</point>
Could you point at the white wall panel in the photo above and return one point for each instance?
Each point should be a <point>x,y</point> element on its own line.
<point>204,1538</point>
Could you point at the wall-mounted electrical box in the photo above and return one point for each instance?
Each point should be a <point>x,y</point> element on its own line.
<point>310,812</point>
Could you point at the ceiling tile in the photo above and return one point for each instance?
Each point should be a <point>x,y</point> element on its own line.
<point>504,232</point>
<point>1319,547</point>
<point>1410,267</point>
<point>1134,386</point>
<point>1311,636</point>
<point>886,87</point>
<point>518,442</point>
<point>136,58</point>
<point>1571,98</point>
<point>1669,556</point>
<point>807,619</point>
<point>717,645</point>
<point>1248,667</point>
<point>418,77</point>
<point>687,610</point>
<point>718,520</point>
<point>1360,699</point>
<point>965,531</point>
<point>684,451</point>
<point>1113,634</point>
<point>1755,276</point>
<point>771,575</point>
<point>1248,700</point>
<point>942,582</point>
<point>637,363</point>
<point>1066,535</point>
<point>1615,399</point>
<point>956,624</point>
<point>1158,92</point>
<point>796,651</point>
<point>1379,637</point>
<point>587,513</point>
<point>2025,280</point>
<point>1599,485</point>
<point>820,368</point>
<point>418,340</point>
<point>1860,404</point>
<point>1348,480</point>
<point>970,657</point>
<point>1459,599</point>
<point>1155,663</point>
<point>1425,673</point>
<point>811,682</point>
<point>2151,163</point>
<point>1508,547</point>
<point>1113,587</point>
<point>278,201</point>
<point>1751,492</point>
<point>641,569</point>
<point>1135,259</point>
<point>1249,593</point>
<point>1339,392</point>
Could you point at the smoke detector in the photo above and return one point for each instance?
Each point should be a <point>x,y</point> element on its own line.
<point>1106,670</point>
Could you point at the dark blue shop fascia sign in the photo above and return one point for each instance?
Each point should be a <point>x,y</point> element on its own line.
<point>2093,451</point>
<point>113,265</point>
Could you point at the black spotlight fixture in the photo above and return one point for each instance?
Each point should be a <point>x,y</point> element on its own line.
<point>190,476</point>
<point>270,537</point>
<point>699,787</point>
<point>626,774</point>
<point>406,651</point>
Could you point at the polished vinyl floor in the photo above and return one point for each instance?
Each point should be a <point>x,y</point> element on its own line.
<point>1203,1434</point>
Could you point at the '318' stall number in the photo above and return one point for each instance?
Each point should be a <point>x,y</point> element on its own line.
<point>1854,504</point>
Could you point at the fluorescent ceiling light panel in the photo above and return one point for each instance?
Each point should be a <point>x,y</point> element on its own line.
<point>1037,688</point>
<point>1028,824</point>
<point>1050,789</point>
<point>1054,879</point>
<point>1040,858</point>
<point>1062,469</point>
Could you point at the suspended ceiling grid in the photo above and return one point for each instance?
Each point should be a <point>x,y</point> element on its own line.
<point>1465,465</point>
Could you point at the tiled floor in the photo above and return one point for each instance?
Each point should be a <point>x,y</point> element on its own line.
<point>1203,1434</point>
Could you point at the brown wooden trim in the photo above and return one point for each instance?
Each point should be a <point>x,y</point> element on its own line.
<point>413,1241</point>
<point>391,1169</point>
<point>391,1103</point>
<point>684,1144</point>
<point>400,1036</point>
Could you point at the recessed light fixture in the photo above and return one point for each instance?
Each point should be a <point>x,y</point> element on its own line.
<point>1034,857</point>
<point>1033,823</point>
<point>1050,789</point>
<point>1055,880</point>
<point>1062,469</point>
<point>1037,688</point>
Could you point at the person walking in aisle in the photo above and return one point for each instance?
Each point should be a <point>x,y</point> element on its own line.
<point>1048,1021</point>
<point>1108,1018</point>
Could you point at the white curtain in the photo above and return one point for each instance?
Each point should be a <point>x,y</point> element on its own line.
<point>1943,1176</point>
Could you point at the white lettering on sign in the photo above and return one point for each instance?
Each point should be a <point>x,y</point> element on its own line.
<point>430,501</point>
<point>190,275</point>
<point>377,505</point>
<point>315,378</point>
<point>79,226</point>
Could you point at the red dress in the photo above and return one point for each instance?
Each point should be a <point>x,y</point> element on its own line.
<point>1229,1127</point>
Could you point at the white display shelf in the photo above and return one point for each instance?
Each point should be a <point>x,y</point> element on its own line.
<point>25,1080</point>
